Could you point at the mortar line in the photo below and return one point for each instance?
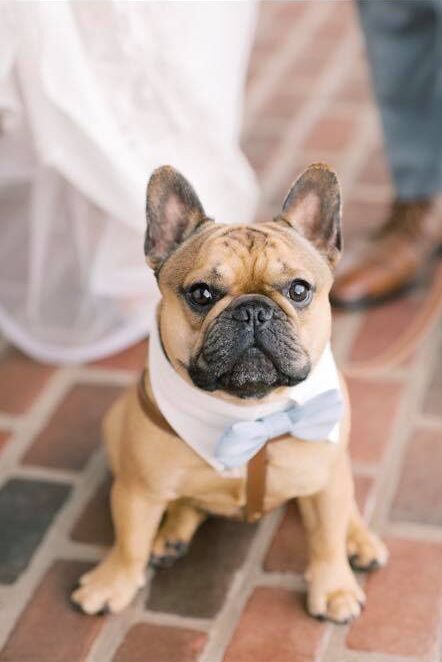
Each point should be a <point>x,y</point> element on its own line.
<point>107,376</point>
<point>414,531</point>
<point>47,474</point>
<point>411,403</point>
<point>289,580</point>
<point>428,421</point>
<point>9,423</point>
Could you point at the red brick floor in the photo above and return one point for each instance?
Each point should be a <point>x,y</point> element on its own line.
<point>239,593</point>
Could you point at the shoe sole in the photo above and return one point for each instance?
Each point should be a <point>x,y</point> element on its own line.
<point>370,302</point>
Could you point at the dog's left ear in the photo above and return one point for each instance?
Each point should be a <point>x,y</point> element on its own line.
<point>173,212</point>
<point>313,208</point>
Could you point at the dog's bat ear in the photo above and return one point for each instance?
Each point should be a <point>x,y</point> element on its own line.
<point>313,208</point>
<point>173,212</point>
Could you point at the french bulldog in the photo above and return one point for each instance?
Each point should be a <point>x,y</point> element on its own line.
<point>243,323</point>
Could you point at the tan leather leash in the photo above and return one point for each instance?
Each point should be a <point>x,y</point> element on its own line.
<point>256,468</point>
<point>149,408</point>
<point>256,485</point>
<point>408,341</point>
<point>256,482</point>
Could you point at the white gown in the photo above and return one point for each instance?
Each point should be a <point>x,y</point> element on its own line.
<point>93,97</point>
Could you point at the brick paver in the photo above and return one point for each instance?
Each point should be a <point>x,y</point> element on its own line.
<point>419,493</point>
<point>288,550</point>
<point>332,133</point>
<point>27,508</point>
<point>433,396</point>
<point>4,436</point>
<point>73,432</point>
<point>374,408</point>
<point>403,610</point>
<point>21,381</point>
<point>94,526</point>
<point>153,643</point>
<point>218,551</point>
<point>49,630</point>
<point>239,594</point>
<point>131,359</point>
<point>381,326</point>
<point>274,626</point>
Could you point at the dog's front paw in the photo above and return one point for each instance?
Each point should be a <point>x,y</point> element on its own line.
<point>365,549</point>
<point>166,552</point>
<point>334,593</point>
<point>110,587</point>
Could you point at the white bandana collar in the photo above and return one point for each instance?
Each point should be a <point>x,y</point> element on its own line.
<point>200,418</point>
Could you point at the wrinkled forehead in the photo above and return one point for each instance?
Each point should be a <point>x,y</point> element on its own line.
<point>249,257</point>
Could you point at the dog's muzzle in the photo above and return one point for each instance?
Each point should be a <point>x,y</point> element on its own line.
<point>250,349</point>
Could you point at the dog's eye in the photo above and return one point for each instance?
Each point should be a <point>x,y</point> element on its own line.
<point>201,295</point>
<point>300,292</point>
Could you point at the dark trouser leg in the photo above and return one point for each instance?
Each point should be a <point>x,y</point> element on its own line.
<point>404,46</point>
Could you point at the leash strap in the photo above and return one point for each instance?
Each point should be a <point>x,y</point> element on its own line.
<point>256,485</point>
<point>149,408</point>
<point>256,467</point>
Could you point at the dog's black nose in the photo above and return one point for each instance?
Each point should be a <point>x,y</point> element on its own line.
<point>254,310</point>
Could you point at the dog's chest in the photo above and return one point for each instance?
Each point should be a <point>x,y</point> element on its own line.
<point>294,468</point>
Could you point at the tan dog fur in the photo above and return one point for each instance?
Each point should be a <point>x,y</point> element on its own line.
<point>156,473</point>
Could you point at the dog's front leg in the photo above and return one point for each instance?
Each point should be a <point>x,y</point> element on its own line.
<point>334,593</point>
<point>114,582</point>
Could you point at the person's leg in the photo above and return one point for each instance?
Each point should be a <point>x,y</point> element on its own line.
<point>439,90</point>
<point>404,46</point>
<point>403,41</point>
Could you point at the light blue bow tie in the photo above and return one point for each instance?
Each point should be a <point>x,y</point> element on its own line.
<point>312,421</point>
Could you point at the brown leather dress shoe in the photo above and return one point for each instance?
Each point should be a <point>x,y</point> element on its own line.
<point>394,258</point>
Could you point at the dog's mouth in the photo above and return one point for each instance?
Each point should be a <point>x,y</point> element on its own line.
<point>252,375</point>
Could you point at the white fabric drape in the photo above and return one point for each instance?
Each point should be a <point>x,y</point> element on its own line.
<point>93,97</point>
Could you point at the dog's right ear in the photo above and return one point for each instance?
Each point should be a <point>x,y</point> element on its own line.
<point>313,208</point>
<point>173,212</point>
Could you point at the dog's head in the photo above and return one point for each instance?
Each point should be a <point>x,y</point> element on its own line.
<point>244,308</point>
